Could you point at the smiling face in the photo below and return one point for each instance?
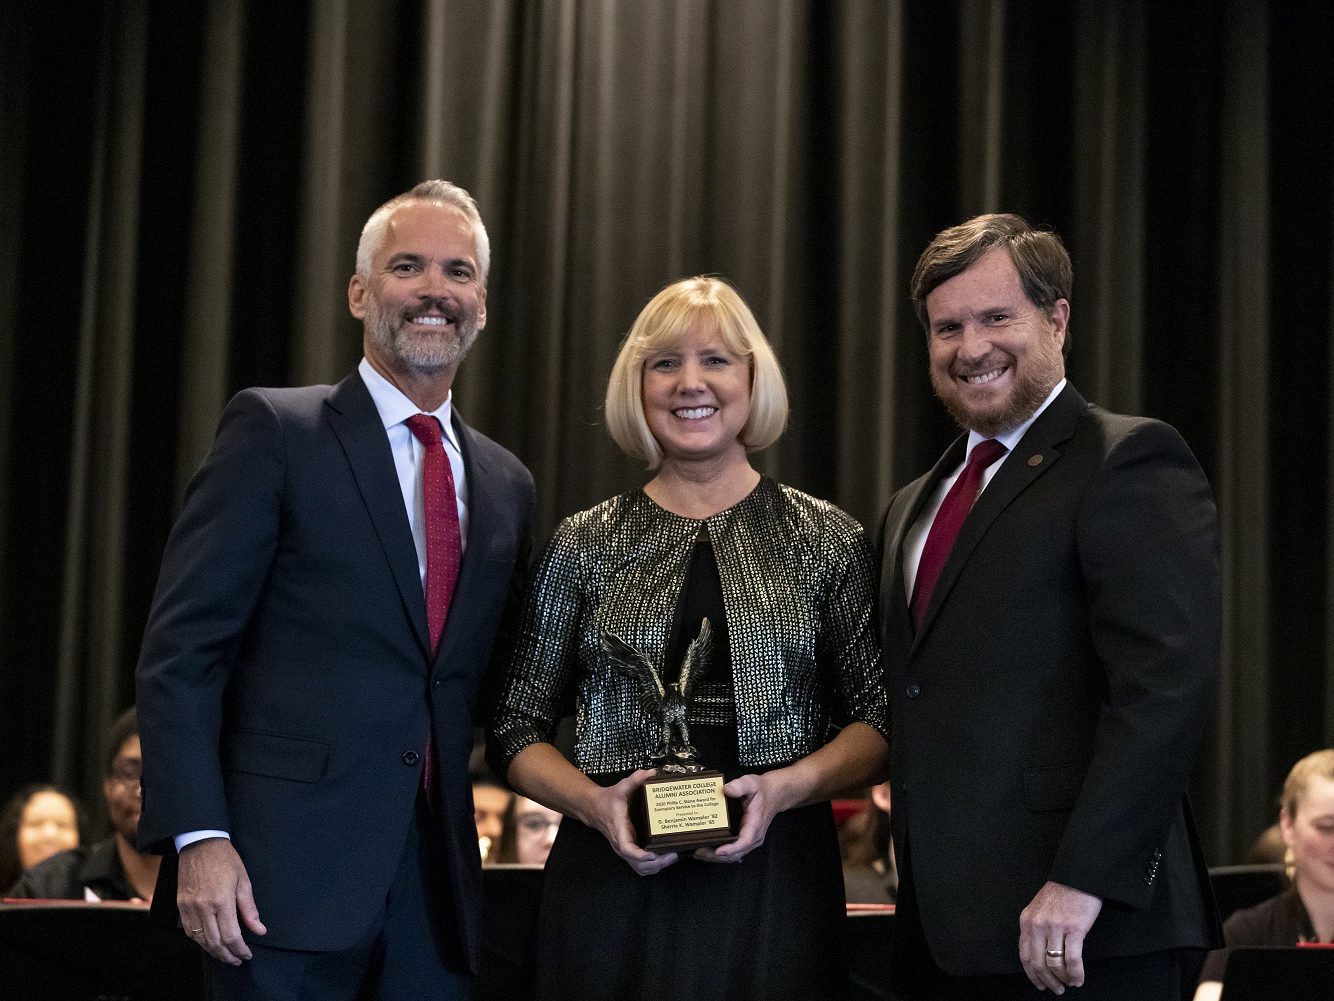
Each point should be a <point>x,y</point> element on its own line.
<point>423,302</point>
<point>1309,835</point>
<point>696,398</point>
<point>47,825</point>
<point>994,355</point>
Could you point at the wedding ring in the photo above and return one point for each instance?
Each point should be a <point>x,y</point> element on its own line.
<point>195,931</point>
<point>1055,954</point>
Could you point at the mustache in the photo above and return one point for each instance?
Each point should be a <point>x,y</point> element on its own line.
<point>445,307</point>
<point>996,359</point>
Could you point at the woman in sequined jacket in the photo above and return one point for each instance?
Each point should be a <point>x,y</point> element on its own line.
<point>794,706</point>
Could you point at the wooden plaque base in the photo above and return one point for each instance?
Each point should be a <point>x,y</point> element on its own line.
<point>682,812</point>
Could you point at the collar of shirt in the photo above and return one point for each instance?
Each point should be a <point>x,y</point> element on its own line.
<point>395,408</point>
<point>1010,438</point>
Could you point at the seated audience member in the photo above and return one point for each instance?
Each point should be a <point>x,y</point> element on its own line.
<point>1305,912</point>
<point>39,821</point>
<point>112,869</point>
<point>1268,848</point>
<point>490,800</point>
<point>530,829</point>
<point>869,874</point>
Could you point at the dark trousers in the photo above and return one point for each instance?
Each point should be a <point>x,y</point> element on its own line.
<point>410,951</point>
<point>1156,976</point>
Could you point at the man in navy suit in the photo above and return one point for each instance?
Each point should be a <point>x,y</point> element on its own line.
<point>305,737</point>
<point>1051,629</point>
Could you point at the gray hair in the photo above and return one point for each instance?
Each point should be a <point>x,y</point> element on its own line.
<point>436,193</point>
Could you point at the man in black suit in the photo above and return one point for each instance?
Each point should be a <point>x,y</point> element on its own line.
<point>305,703</point>
<point>1051,630</point>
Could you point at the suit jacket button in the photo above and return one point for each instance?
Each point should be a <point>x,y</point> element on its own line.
<point>411,758</point>
<point>435,682</point>
<point>914,690</point>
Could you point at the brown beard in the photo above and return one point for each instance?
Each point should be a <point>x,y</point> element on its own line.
<point>1034,380</point>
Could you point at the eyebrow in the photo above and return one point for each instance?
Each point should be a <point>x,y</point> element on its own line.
<point>416,258</point>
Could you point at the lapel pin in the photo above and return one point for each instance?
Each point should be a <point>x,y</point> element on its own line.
<point>1035,460</point>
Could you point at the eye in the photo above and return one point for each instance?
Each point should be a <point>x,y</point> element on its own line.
<point>461,272</point>
<point>663,364</point>
<point>403,268</point>
<point>998,317</point>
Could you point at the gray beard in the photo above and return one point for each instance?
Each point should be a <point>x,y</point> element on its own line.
<point>424,356</point>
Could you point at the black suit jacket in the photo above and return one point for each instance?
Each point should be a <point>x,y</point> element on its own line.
<point>1045,717</point>
<point>286,683</point>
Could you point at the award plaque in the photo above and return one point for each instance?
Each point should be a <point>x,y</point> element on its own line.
<point>683,806</point>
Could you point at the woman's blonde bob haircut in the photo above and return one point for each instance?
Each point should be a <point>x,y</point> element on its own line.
<point>707,306</point>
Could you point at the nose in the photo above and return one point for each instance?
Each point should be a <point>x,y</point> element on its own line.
<point>433,284</point>
<point>974,341</point>
<point>690,378</point>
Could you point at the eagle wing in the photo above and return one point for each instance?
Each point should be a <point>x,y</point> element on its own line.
<point>632,664</point>
<point>697,659</point>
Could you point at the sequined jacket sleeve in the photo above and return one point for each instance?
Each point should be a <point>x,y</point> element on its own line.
<point>849,639</point>
<point>545,653</point>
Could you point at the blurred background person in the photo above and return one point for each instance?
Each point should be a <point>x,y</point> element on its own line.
<point>869,873</point>
<point>1305,911</point>
<point>112,869</point>
<point>1268,848</point>
<point>490,802</point>
<point>529,832</point>
<point>790,707</point>
<point>38,821</point>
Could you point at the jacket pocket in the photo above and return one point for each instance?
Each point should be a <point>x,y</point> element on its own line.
<point>277,757</point>
<point>1053,787</point>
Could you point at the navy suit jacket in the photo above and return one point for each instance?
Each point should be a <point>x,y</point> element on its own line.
<point>286,683</point>
<point>1046,715</point>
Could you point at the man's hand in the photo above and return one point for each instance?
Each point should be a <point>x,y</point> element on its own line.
<point>213,890</point>
<point>1057,920</point>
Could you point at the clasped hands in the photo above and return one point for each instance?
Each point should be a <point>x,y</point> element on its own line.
<point>762,797</point>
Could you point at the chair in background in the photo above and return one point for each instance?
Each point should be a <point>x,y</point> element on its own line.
<point>1237,887</point>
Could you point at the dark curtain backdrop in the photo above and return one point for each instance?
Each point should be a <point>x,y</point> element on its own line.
<point>182,185</point>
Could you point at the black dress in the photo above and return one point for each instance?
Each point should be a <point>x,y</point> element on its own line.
<point>770,926</point>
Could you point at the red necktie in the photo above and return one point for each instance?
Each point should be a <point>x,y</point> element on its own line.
<point>443,544</point>
<point>949,519</point>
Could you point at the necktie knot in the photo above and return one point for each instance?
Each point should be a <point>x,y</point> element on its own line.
<point>985,452</point>
<point>426,429</point>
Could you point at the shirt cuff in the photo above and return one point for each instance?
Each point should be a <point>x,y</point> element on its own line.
<point>190,837</point>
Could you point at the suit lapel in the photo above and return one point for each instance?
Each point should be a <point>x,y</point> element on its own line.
<point>1036,452</point>
<point>352,415</point>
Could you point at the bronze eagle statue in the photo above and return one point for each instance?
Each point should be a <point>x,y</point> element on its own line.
<point>666,704</point>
